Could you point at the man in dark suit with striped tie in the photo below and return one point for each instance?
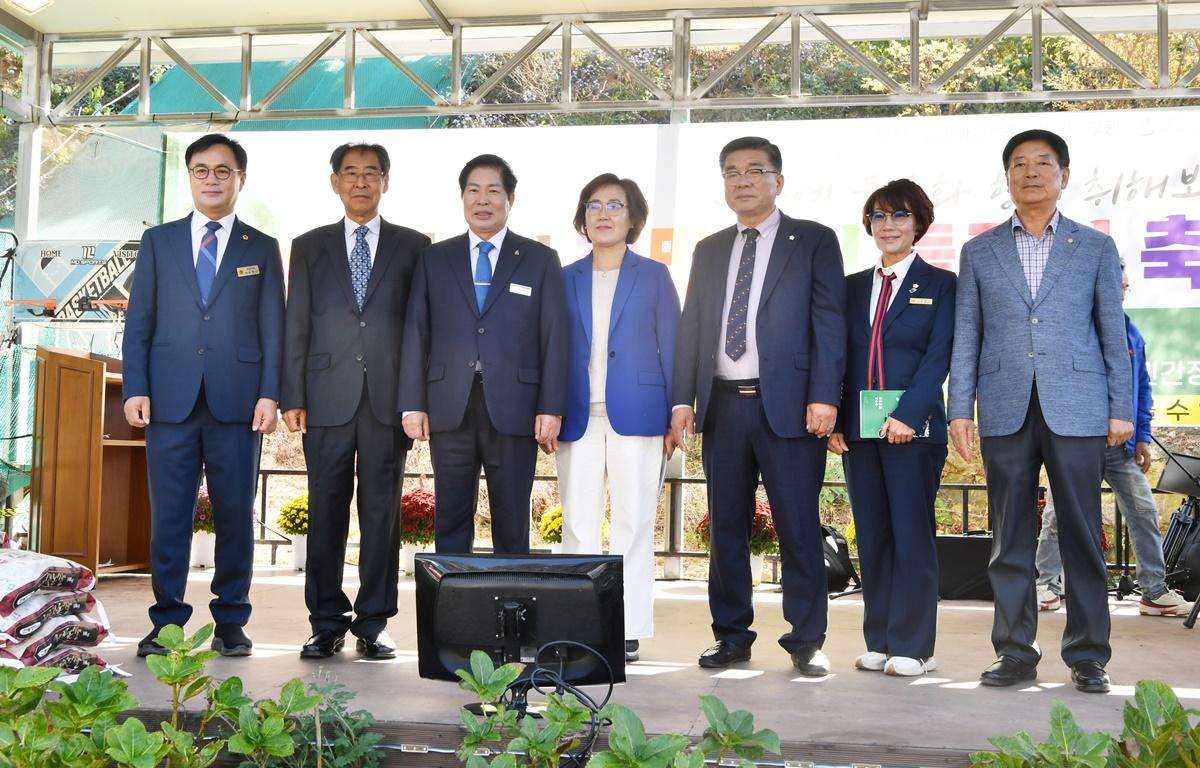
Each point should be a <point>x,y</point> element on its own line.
<point>760,355</point>
<point>347,292</point>
<point>203,344</point>
<point>484,367</point>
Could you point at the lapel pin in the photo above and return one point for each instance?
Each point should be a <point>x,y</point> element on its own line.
<point>791,237</point>
<point>516,253</point>
<point>914,288</point>
<point>1070,240</point>
<point>245,237</point>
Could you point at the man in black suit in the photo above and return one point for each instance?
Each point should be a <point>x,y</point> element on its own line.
<point>761,353</point>
<point>347,293</point>
<point>484,366</point>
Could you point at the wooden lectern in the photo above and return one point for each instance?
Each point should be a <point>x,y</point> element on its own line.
<point>89,499</point>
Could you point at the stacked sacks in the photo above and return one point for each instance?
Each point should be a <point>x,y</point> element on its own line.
<point>48,616</point>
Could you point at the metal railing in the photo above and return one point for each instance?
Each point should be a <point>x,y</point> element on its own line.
<point>674,552</point>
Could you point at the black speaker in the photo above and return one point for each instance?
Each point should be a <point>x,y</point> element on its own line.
<point>962,567</point>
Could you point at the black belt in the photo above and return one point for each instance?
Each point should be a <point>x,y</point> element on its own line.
<point>739,387</point>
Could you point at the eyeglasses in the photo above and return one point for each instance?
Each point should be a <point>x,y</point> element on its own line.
<point>222,172</point>
<point>752,175</point>
<point>370,177</point>
<point>897,217</point>
<point>612,206</point>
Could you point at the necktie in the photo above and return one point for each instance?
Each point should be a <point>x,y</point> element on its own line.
<point>875,356</point>
<point>206,260</point>
<point>483,273</point>
<point>360,265</point>
<point>739,307</point>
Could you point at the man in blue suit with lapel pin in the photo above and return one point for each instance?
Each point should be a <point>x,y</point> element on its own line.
<point>1039,345</point>
<point>203,347</point>
<point>484,364</point>
<point>347,290</point>
<point>761,353</point>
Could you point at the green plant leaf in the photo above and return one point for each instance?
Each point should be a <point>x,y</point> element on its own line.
<point>292,698</point>
<point>740,723</point>
<point>714,711</point>
<point>171,637</point>
<point>130,744</point>
<point>603,760</point>
<point>201,637</point>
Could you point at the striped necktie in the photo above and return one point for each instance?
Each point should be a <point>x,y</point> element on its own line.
<point>875,356</point>
<point>206,260</point>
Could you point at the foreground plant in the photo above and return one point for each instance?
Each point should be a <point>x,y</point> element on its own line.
<point>1158,733</point>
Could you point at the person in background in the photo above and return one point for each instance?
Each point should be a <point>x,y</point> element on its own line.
<point>899,329</point>
<point>623,315</point>
<point>1125,468</point>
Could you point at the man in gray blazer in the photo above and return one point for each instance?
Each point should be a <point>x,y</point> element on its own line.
<point>1039,345</point>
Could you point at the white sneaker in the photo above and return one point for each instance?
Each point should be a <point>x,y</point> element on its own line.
<point>1169,603</point>
<point>903,666</point>
<point>871,661</point>
<point>1048,600</point>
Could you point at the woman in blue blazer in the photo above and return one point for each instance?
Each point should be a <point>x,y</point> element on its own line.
<point>900,329</point>
<point>623,314</point>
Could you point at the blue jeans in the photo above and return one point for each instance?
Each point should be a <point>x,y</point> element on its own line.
<point>1133,496</point>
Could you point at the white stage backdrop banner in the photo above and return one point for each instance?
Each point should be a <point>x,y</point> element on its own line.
<point>1134,174</point>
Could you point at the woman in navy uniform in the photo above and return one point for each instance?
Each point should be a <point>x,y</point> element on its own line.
<point>900,328</point>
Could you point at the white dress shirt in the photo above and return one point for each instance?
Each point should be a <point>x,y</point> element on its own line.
<point>746,366</point>
<point>372,236</point>
<point>900,270</point>
<point>496,240</point>
<point>200,229</point>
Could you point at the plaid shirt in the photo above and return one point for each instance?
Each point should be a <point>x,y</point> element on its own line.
<point>1034,251</point>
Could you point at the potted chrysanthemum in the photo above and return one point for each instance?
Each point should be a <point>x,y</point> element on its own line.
<point>417,523</point>
<point>293,521</point>
<point>204,532</point>
<point>763,540</point>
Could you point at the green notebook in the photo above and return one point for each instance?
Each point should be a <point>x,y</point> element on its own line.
<point>874,406</point>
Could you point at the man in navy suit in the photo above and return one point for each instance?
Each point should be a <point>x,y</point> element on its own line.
<point>1040,346</point>
<point>203,346</point>
<point>347,291</point>
<point>761,353</point>
<point>484,364</point>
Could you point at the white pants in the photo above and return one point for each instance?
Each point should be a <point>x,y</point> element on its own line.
<point>633,467</point>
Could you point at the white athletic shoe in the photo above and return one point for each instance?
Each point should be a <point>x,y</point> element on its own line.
<point>903,666</point>
<point>1048,600</point>
<point>1169,603</point>
<point>871,661</point>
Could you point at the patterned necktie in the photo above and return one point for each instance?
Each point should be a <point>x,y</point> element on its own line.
<point>483,273</point>
<point>360,265</point>
<point>875,356</point>
<point>739,307</point>
<point>206,260</point>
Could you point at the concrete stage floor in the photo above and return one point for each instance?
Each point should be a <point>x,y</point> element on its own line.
<point>848,717</point>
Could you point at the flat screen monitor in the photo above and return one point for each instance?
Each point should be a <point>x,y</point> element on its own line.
<point>510,606</point>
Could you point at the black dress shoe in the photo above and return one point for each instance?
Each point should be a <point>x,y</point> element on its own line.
<point>379,647</point>
<point>1089,677</point>
<point>723,654</point>
<point>810,662</point>
<point>231,640</point>
<point>147,646</point>
<point>631,651</point>
<point>1006,671</point>
<point>323,644</point>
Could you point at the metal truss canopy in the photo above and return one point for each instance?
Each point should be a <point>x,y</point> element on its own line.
<point>833,23</point>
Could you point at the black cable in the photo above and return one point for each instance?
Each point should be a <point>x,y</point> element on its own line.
<point>541,676</point>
